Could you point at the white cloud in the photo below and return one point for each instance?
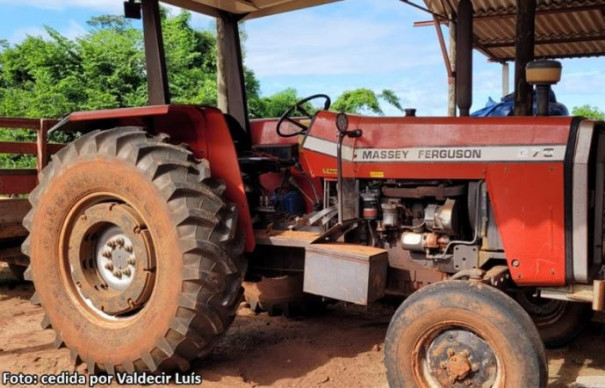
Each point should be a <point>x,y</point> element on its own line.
<point>104,5</point>
<point>311,44</point>
<point>72,30</point>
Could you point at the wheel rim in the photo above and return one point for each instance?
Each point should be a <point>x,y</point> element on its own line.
<point>116,259</point>
<point>108,260</point>
<point>544,312</point>
<point>455,355</point>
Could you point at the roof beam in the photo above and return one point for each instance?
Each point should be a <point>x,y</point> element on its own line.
<point>540,12</point>
<point>213,7</point>
<point>561,56</point>
<point>542,40</point>
<point>287,7</point>
<point>194,7</point>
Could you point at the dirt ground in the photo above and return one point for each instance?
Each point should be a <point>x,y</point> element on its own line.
<point>342,348</point>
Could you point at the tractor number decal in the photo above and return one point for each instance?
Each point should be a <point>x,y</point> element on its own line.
<point>492,153</point>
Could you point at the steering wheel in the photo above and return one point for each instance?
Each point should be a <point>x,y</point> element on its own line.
<point>299,106</point>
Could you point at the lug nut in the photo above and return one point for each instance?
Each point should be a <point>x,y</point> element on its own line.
<point>128,248</point>
<point>451,352</point>
<point>120,242</point>
<point>117,274</point>
<point>132,261</point>
<point>126,272</point>
<point>112,244</point>
<point>106,254</point>
<point>109,266</point>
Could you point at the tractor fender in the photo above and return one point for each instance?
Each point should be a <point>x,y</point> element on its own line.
<point>204,130</point>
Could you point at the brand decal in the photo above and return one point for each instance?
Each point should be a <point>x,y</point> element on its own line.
<point>491,153</point>
<point>417,154</point>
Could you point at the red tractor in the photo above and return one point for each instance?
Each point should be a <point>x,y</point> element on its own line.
<point>144,229</point>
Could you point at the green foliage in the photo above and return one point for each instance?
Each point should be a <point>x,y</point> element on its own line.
<point>275,105</point>
<point>53,76</point>
<point>590,112</point>
<point>362,99</point>
<point>352,101</point>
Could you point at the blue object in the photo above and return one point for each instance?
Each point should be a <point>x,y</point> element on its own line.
<point>506,105</point>
<point>291,202</point>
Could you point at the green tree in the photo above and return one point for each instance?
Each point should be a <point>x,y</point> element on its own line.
<point>351,101</point>
<point>53,76</point>
<point>363,99</point>
<point>590,112</point>
<point>274,105</point>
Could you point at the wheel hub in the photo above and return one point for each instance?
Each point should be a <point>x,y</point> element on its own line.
<point>116,260</point>
<point>111,259</point>
<point>458,357</point>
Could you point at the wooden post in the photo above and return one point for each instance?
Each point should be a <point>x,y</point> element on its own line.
<point>157,78</point>
<point>464,57</point>
<point>230,69</point>
<point>451,100</point>
<point>42,144</point>
<point>505,79</point>
<point>524,53</point>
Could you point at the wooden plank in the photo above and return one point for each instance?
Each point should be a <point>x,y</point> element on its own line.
<point>13,210</point>
<point>14,147</point>
<point>17,184</point>
<point>12,231</point>
<point>232,6</point>
<point>260,4</point>
<point>354,250</point>
<point>194,6</point>
<point>19,122</point>
<point>287,7</point>
<point>286,238</point>
<point>23,123</point>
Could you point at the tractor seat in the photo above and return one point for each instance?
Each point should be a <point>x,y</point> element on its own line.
<point>269,158</point>
<point>252,159</point>
<point>263,164</point>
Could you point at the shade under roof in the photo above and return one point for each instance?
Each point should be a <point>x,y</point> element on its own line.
<point>249,9</point>
<point>564,28</point>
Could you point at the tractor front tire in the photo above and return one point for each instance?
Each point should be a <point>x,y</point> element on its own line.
<point>458,333</point>
<point>558,322</point>
<point>133,253</point>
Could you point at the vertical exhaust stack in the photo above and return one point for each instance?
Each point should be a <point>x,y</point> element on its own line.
<point>464,57</point>
<point>543,74</point>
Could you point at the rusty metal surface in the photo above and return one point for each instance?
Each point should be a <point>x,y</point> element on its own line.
<point>87,223</point>
<point>17,181</point>
<point>564,28</point>
<point>23,123</point>
<point>348,272</point>
<point>274,291</point>
<point>22,181</point>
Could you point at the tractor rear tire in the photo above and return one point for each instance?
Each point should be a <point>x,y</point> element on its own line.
<point>558,322</point>
<point>459,333</point>
<point>17,271</point>
<point>133,253</point>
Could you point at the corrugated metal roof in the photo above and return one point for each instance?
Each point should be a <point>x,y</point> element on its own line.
<point>249,9</point>
<point>564,28</point>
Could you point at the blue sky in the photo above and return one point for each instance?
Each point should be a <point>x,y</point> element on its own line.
<point>332,48</point>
